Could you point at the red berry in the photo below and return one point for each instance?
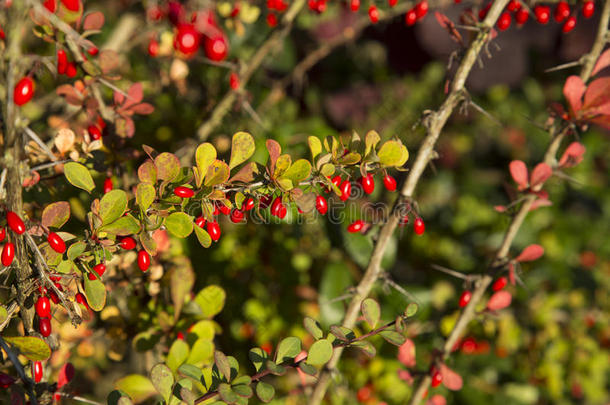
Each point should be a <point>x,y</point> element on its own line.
<point>321,205</point>
<point>153,48</point>
<point>365,393</point>
<point>37,369</point>
<point>180,336</point>
<point>418,226</point>
<point>72,5</point>
<point>355,226</point>
<point>283,211</point>
<point>588,8</point>
<point>128,243</point>
<point>224,209</point>
<point>108,185</point>
<point>276,206</point>
<point>562,11</point>
<point>271,20</point>
<point>80,298</point>
<point>99,269</point>
<point>542,13</point>
<point>44,326</point>
<point>143,260</point>
<point>71,70</point>
<point>354,5</point>
<point>234,81</point>
<point>437,378</point>
<point>187,39</point>
<point>368,183</point>
<point>94,132</point>
<point>513,5</point>
<point>50,5</point>
<point>522,16</point>
<point>62,61</point>
<point>373,14</point>
<point>237,216</point>
<point>465,298</point>
<point>93,51</point>
<point>499,284</point>
<point>214,230</point>
<point>54,297</point>
<point>43,307</point>
<point>504,21</point>
<point>421,9</point>
<point>216,48</point>
<point>483,12</point>
<point>249,204</point>
<point>392,3</point>
<point>404,220</point>
<point>336,180</point>
<point>56,242</point>
<point>389,182</point>
<point>8,254</point>
<point>200,221</point>
<point>346,190</point>
<point>265,201</point>
<point>410,17</point>
<point>184,192</point>
<point>569,25</point>
<point>2,234</point>
<point>24,91</point>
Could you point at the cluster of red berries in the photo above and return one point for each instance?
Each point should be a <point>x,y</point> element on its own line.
<point>70,5</point>
<point>64,67</point>
<point>280,6</point>
<point>542,13</point>
<point>466,296</point>
<point>417,13</point>
<point>15,223</point>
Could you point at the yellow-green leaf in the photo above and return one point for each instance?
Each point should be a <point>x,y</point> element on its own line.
<point>56,214</point>
<point>95,291</point>
<point>211,300</point>
<point>393,153</point>
<point>320,352</point>
<point>32,347</point>
<point>203,237</point>
<point>315,146</point>
<point>298,171</point>
<point>79,176</point>
<point>138,387</point>
<point>218,173</point>
<point>241,149</point>
<point>168,166</point>
<point>205,155</point>
<point>371,140</point>
<point>123,226</point>
<point>145,195</point>
<point>112,205</point>
<point>179,224</point>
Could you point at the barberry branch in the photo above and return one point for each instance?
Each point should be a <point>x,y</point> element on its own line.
<point>434,123</point>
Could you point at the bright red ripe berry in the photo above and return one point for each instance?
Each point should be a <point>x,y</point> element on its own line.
<point>513,5</point>
<point>56,242</point>
<point>562,11</point>
<point>216,48</point>
<point>354,5</point>
<point>282,212</point>
<point>321,205</point>
<point>437,379</point>
<point>418,226</point>
<point>2,234</point>
<point>410,17</point>
<point>276,206</point>
<point>187,39</point>
<point>336,180</point>
<point>54,297</point>
<point>99,269</point>
<point>94,132</point>
<point>8,254</point>
<point>522,16</point>
<point>392,3</point>
<point>588,8</point>
<point>93,51</point>
<point>569,25</point>
<point>224,209</point>
<point>355,226</point>
<point>234,81</point>
<point>127,243</point>
<point>180,336</point>
<point>421,9</point>
<point>37,371</point>
<point>143,260</point>
<point>214,230</point>
<point>504,21</point>
<point>542,13</point>
<point>80,298</point>
<point>50,5</point>
<point>249,204</point>
<point>389,182</point>
<point>373,14</point>
<point>237,216</point>
<point>153,48</point>
<point>72,5</point>
<point>43,307</point>
<point>271,20</point>
<point>499,284</point>
<point>71,70</point>
<point>184,192</point>
<point>62,61</point>
<point>465,298</point>
<point>44,326</point>
<point>346,190</point>
<point>368,183</point>
<point>108,185</point>
<point>24,91</point>
<point>200,221</point>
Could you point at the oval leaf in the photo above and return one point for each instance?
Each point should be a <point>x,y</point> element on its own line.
<point>163,380</point>
<point>145,195</point>
<point>138,387</point>
<point>518,171</point>
<point>406,353</point>
<point>320,352</point>
<point>499,300</point>
<point>540,174</point>
<point>205,155</point>
<point>211,300</point>
<point>393,153</point>
<point>265,392</point>
<point>32,347</point>
<point>242,148</point>
<point>95,291</point>
<point>218,173</point>
<point>79,176</point>
<point>371,311</point>
<point>168,166</point>
<point>112,206</point>
<point>288,349</point>
<point>530,253</point>
<point>179,224</point>
<point>451,379</point>
<point>55,215</point>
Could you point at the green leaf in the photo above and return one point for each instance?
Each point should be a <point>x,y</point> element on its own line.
<point>393,153</point>
<point>371,311</point>
<point>258,357</point>
<point>55,215</point>
<point>76,249</point>
<point>275,369</point>
<point>179,224</point>
<point>350,159</point>
<point>205,155</point>
<point>218,173</point>
<point>145,195</point>
<point>203,329</point>
<point>147,172</point>
<point>342,333</point>
<point>3,314</point>
<point>178,353</point>
<point>168,166</point>
<point>366,347</point>
<point>265,392</point>
<point>411,309</point>
<point>371,140</point>
<point>328,169</point>
<point>191,371</point>
<point>313,327</point>
<point>315,146</point>
<point>79,176</point>
<point>32,347</point>
<point>227,394</point>
<point>163,380</point>
<point>126,225</point>
<point>298,171</point>
<point>138,387</point>
<point>183,392</point>
<point>95,291</point>
<point>241,149</point>
<point>182,279</point>
<point>307,368</point>
<point>117,397</point>
<point>211,300</point>
<point>202,352</point>
<point>282,164</point>
<point>222,362</point>
<point>320,352</point>
<point>393,337</point>
<point>242,390</point>
<point>65,267</point>
<point>288,349</point>
<point>112,205</point>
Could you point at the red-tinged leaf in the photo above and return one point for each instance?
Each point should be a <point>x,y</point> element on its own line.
<point>71,95</point>
<point>108,60</point>
<point>451,379</point>
<point>275,150</point>
<point>511,273</point>
<point>573,90</point>
<point>447,24</point>
<point>500,208</point>
<point>405,376</point>
<point>66,374</point>
<point>142,109</point>
<point>597,97</point>
<point>530,253</point>
<point>499,300</point>
<point>406,353</point>
<point>119,98</point>
<point>539,203</point>
<point>32,179</point>
<point>540,174</point>
<point>93,21</point>
<point>134,95</point>
<point>437,399</point>
<point>602,63</point>
<point>518,171</point>
<point>602,121</point>
<point>573,155</point>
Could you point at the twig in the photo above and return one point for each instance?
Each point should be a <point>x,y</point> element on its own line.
<point>564,66</point>
<point>49,164</point>
<point>388,280</point>
<point>467,277</point>
<point>10,311</point>
<point>40,143</point>
<point>435,123</point>
<point>79,399</point>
